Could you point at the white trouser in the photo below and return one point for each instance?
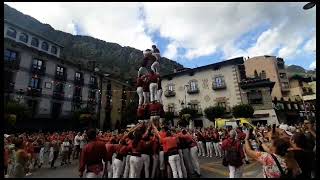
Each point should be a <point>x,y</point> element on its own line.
<point>194,159</point>
<point>159,96</point>
<point>136,164</point>
<point>127,167</point>
<point>155,67</point>
<point>183,167</point>
<point>157,55</point>
<point>140,94</point>
<point>217,149</point>
<point>146,163</point>
<point>153,91</point>
<point>235,172</point>
<point>209,149</point>
<point>51,154</point>
<point>142,71</point>
<point>155,163</point>
<point>117,168</point>
<point>161,159</point>
<point>201,148</point>
<point>109,169</point>
<point>187,160</point>
<point>41,155</point>
<point>146,96</point>
<point>174,161</point>
<point>93,175</point>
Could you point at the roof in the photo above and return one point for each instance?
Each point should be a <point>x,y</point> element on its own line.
<point>234,61</point>
<point>31,32</point>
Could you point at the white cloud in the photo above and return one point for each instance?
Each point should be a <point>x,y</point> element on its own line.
<point>201,29</point>
<point>112,22</point>
<point>313,65</point>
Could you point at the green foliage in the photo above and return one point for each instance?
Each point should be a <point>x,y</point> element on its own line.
<point>21,111</point>
<point>242,111</point>
<point>188,110</point>
<point>213,112</point>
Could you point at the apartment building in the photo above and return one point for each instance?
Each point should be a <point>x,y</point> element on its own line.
<point>201,87</point>
<point>270,67</point>
<point>37,75</point>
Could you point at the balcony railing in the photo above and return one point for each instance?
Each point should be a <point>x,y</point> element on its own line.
<point>193,91</point>
<point>36,70</point>
<point>222,86</point>
<point>78,81</point>
<point>9,88</point>
<point>34,92</point>
<point>77,99</point>
<point>60,77</point>
<point>15,65</point>
<point>58,95</point>
<point>169,93</point>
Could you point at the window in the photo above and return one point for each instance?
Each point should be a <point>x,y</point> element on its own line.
<point>193,85</point>
<point>35,82</point>
<point>263,75</point>
<point>92,94</point>
<point>34,42</point>
<point>12,32</point>
<point>10,55</point>
<point>222,104</point>
<point>60,71</point>
<point>194,106</point>
<point>56,110</point>
<point>92,80</point>
<point>37,64</point>
<point>171,109</point>
<point>53,50</point>
<point>23,37</point>
<point>218,82</point>
<point>78,75</point>
<point>283,75</point>
<point>48,85</point>
<point>44,46</point>
<point>255,97</point>
<point>285,85</point>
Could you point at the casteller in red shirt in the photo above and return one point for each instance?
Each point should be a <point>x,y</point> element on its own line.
<point>153,77</point>
<point>227,143</point>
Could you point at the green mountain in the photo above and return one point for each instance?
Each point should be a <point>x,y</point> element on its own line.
<point>294,69</point>
<point>121,62</point>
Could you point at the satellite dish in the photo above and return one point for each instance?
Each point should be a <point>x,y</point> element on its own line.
<point>309,5</point>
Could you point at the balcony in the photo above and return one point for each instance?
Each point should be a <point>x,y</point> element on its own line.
<point>34,92</point>
<point>14,65</point>
<point>9,87</point>
<point>169,93</point>
<point>193,91</point>
<point>60,77</point>
<point>78,81</point>
<point>77,99</point>
<point>93,85</point>
<point>58,95</point>
<point>37,70</point>
<point>216,87</point>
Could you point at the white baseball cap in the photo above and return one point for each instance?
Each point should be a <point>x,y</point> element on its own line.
<point>285,127</point>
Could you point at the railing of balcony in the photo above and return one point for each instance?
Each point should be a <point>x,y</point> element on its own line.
<point>61,77</point>
<point>37,70</point>
<point>169,93</point>
<point>193,91</point>
<point>34,92</point>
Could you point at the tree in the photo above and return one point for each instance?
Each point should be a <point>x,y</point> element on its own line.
<point>186,114</point>
<point>214,112</point>
<point>15,112</point>
<point>242,111</point>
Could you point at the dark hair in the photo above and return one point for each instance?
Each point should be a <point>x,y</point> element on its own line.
<point>281,146</point>
<point>18,143</point>
<point>184,131</point>
<point>113,141</point>
<point>240,128</point>
<point>300,140</point>
<point>91,134</point>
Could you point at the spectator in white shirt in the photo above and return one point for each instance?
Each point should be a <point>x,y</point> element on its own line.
<point>76,151</point>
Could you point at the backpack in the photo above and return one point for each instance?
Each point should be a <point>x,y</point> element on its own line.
<point>233,155</point>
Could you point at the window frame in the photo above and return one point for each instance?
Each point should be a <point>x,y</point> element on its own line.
<point>60,70</point>
<point>36,65</point>
<point>55,51</point>
<point>35,82</point>
<point>14,35</point>
<point>10,57</point>
<point>193,85</point>
<point>255,101</point>
<point>42,46</point>
<point>25,35</point>
<point>34,39</point>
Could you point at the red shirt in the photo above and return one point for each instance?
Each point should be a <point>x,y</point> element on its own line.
<point>6,156</point>
<point>139,82</point>
<point>92,155</point>
<point>188,138</point>
<point>111,148</point>
<point>138,148</point>
<point>241,135</point>
<point>155,109</point>
<point>169,143</point>
<point>146,84</point>
<point>140,112</point>
<point>162,134</point>
<point>226,144</point>
<point>153,78</point>
<point>155,145</point>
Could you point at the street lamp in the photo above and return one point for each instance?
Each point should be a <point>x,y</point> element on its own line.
<point>309,5</point>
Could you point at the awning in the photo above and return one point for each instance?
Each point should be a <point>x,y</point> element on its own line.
<point>261,115</point>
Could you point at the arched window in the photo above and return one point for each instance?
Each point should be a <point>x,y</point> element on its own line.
<point>34,42</point>
<point>44,46</point>
<point>23,37</point>
<point>11,32</point>
<point>53,50</point>
<point>263,75</point>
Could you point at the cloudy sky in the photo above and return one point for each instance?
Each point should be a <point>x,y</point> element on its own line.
<point>194,34</point>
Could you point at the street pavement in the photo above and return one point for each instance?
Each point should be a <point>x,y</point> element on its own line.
<point>210,168</point>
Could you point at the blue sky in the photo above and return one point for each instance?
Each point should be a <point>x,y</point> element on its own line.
<point>193,34</point>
